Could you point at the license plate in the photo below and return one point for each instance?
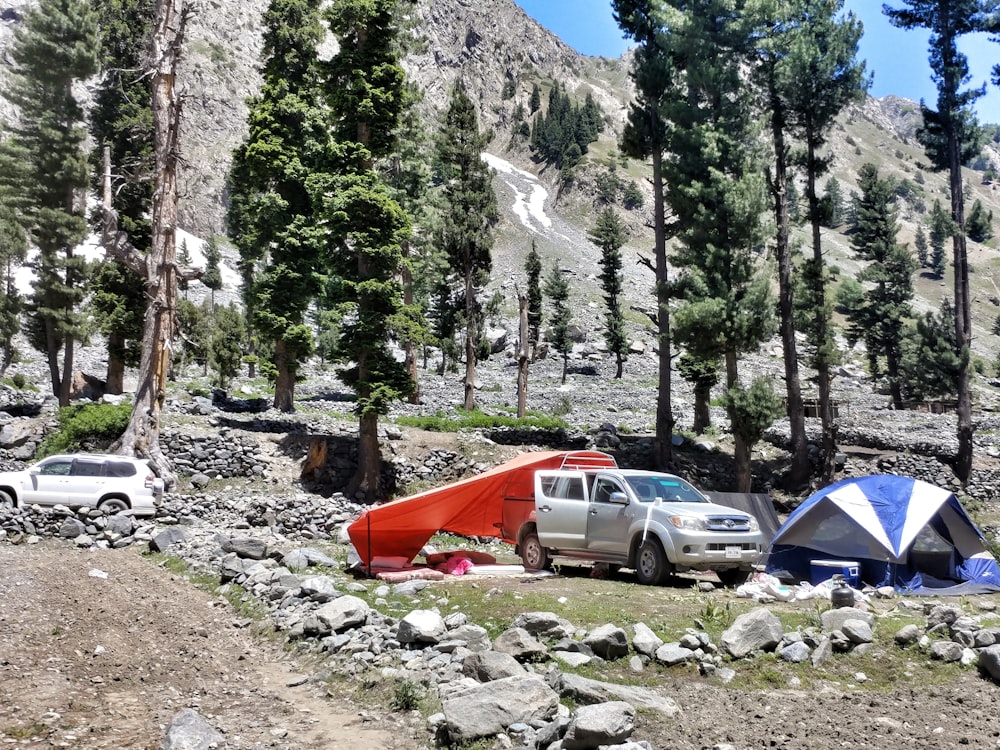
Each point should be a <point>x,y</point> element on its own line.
<point>734,553</point>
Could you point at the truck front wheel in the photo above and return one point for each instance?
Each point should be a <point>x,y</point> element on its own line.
<point>651,566</point>
<point>533,554</point>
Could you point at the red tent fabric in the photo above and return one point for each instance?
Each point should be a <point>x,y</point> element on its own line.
<point>470,507</point>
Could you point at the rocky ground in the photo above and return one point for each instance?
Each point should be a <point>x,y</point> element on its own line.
<point>103,648</point>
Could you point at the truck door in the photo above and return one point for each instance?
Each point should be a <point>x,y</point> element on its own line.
<point>608,523</point>
<point>561,509</point>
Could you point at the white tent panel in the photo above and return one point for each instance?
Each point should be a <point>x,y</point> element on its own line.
<point>924,503</point>
<point>852,501</point>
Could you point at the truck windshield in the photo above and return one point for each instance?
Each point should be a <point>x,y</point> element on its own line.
<point>667,489</point>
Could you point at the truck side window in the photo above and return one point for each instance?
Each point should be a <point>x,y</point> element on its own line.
<point>603,489</point>
<point>572,488</point>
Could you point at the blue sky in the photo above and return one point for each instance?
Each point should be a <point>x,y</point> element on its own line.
<point>898,58</point>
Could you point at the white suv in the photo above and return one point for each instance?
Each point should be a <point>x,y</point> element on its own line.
<point>114,484</point>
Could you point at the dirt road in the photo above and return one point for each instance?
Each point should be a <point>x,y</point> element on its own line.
<point>101,649</point>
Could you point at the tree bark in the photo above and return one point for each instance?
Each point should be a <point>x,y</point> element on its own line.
<point>823,375</point>
<point>663,442</point>
<point>523,357</point>
<point>963,311</point>
<point>142,436</point>
<point>702,410</point>
<point>798,473</point>
<point>284,384</point>
<point>115,379</point>
<point>471,334</point>
<point>741,449</point>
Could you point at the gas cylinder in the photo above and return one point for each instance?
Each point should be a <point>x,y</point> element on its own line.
<point>841,595</point>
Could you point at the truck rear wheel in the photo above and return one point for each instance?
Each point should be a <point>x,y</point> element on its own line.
<point>651,566</point>
<point>533,554</point>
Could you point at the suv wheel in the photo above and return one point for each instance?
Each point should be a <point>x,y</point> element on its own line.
<point>113,505</point>
<point>6,501</point>
<point>651,565</point>
<point>533,554</point>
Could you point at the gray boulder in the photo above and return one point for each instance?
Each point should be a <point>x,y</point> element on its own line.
<point>834,619</point>
<point>319,589</point>
<point>544,624</point>
<point>520,644</point>
<point>487,709</point>
<point>421,626</point>
<point>164,539</point>
<point>585,691</point>
<point>759,630</point>
<point>857,631</point>
<point>343,612</point>
<point>644,640</point>
<point>247,548</point>
<point>188,731</point>
<point>989,662</point>
<point>485,666</point>
<point>600,725</point>
<point>608,641</point>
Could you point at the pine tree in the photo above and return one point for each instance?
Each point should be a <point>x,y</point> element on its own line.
<point>121,121</point>
<point>212,278</point>
<point>470,215</point>
<point>536,99</point>
<point>533,268</point>
<point>645,135</point>
<point>951,137</point>
<point>557,290</point>
<point>929,365</point>
<point>940,231</point>
<point>880,319</point>
<point>55,48</point>
<point>13,249</point>
<point>979,224</point>
<point>365,225</point>
<point>272,217</point>
<point>609,235</point>
<point>716,190</point>
<point>920,242</point>
<point>833,204</point>
<point>819,45</point>
<point>225,351</point>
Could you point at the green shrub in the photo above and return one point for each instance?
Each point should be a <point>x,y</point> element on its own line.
<point>80,424</point>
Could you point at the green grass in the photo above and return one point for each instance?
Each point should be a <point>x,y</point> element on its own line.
<point>462,420</point>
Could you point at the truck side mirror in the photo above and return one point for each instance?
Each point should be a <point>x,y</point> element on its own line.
<point>618,498</point>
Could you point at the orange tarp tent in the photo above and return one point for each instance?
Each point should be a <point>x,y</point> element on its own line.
<point>469,507</point>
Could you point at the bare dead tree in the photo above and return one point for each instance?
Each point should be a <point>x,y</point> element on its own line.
<point>142,436</point>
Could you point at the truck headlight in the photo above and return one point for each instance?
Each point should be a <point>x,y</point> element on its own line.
<point>754,526</point>
<point>689,523</point>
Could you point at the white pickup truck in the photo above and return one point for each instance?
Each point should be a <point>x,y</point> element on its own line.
<point>654,523</point>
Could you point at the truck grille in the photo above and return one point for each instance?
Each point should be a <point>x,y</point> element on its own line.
<point>728,523</point>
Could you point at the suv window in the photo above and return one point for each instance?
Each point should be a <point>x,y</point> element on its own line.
<point>58,468</point>
<point>667,488</point>
<point>87,469</point>
<point>120,469</point>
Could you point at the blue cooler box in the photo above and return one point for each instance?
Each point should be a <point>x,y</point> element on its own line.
<point>822,570</point>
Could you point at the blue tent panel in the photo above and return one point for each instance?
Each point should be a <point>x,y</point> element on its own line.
<point>903,532</point>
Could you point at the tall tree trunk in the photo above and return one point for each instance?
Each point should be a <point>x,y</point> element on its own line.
<point>663,441</point>
<point>142,436</point>
<point>741,449</point>
<point>800,469</point>
<point>115,379</point>
<point>619,365</point>
<point>367,482</point>
<point>822,324</point>
<point>702,410</point>
<point>471,334</point>
<point>523,356</point>
<point>66,385</point>
<point>284,384</point>
<point>963,313</point>
<point>52,357</point>
<point>410,346</point>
